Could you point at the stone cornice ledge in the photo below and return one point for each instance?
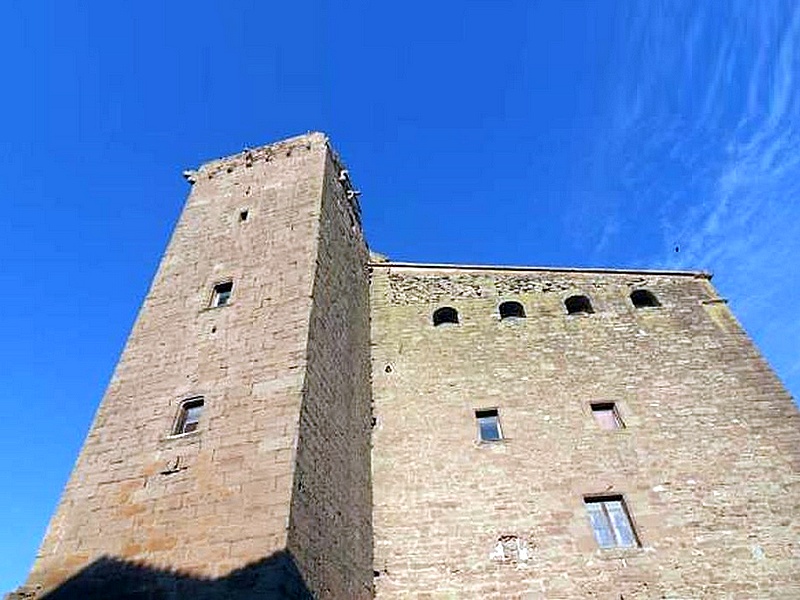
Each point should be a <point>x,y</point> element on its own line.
<point>508,268</point>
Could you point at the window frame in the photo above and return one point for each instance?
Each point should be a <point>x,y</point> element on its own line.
<point>613,408</point>
<point>182,418</point>
<point>488,413</point>
<point>216,294</point>
<point>597,508</point>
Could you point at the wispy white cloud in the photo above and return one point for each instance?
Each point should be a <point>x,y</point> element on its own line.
<point>704,141</point>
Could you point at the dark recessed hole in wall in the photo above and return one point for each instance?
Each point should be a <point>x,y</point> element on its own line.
<point>388,368</point>
<point>511,310</point>
<point>243,215</point>
<point>644,299</point>
<point>578,305</point>
<point>229,169</point>
<point>214,329</point>
<point>444,315</point>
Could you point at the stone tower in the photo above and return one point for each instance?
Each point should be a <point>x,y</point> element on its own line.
<point>230,455</point>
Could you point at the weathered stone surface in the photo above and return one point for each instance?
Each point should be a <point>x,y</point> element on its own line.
<point>707,462</point>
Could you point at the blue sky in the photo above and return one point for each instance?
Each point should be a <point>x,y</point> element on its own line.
<point>561,133</point>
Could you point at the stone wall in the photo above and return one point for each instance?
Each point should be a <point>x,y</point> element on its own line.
<point>331,531</point>
<point>707,462</point>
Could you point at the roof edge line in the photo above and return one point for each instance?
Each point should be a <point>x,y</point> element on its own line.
<point>442,266</point>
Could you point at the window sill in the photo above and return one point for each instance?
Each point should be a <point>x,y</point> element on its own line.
<point>181,436</point>
<point>619,553</point>
<point>500,442</point>
<point>208,308</point>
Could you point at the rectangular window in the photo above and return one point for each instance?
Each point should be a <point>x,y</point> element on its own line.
<point>189,416</point>
<point>607,416</point>
<point>611,522</point>
<point>488,425</point>
<point>222,294</point>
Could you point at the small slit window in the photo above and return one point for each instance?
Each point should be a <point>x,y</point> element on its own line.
<point>644,299</point>
<point>189,416</point>
<point>445,315</point>
<point>611,522</point>
<point>222,294</point>
<point>488,425</point>
<point>607,415</point>
<point>511,310</point>
<point>578,305</point>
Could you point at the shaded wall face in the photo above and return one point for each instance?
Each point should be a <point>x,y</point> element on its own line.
<point>273,576</point>
<point>706,462</point>
<point>216,499</point>
<point>331,532</point>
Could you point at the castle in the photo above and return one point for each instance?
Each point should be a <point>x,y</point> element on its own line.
<point>293,417</point>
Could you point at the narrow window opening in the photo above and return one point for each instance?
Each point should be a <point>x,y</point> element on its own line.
<point>243,215</point>
<point>488,425</point>
<point>578,305</point>
<point>644,299</point>
<point>611,522</point>
<point>607,415</point>
<point>511,310</point>
<point>189,416</point>
<point>444,315</point>
<point>222,294</point>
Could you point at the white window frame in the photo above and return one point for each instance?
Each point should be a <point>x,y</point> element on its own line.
<point>609,517</point>
<point>487,415</point>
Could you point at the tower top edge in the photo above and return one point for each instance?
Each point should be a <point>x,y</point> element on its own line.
<point>285,147</point>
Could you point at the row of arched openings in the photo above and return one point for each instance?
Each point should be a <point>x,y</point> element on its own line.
<point>575,305</point>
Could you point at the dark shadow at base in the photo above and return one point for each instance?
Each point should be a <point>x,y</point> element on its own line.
<point>108,578</point>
